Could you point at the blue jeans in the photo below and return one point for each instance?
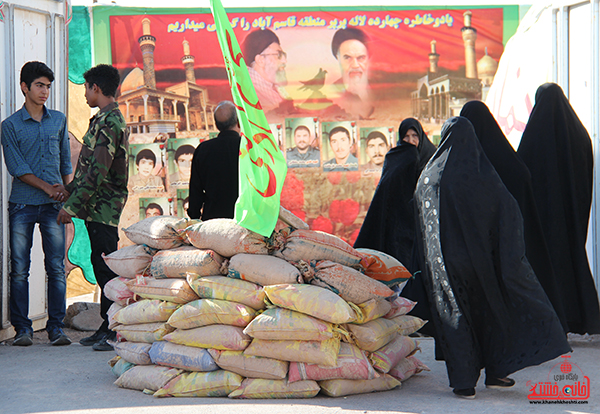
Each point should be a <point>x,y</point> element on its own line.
<point>22,218</point>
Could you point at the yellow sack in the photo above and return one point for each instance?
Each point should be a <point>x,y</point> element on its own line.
<point>146,377</point>
<point>250,366</point>
<point>262,269</point>
<point>408,324</point>
<point>178,262</point>
<point>226,237</point>
<point>400,306</point>
<point>201,384</point>
<point>312,300</point>
<point>134,352</point>
<point>352,285</point>
<point>171,290</point>
<point>144,332</point>
<point>352,363</point>
<point>311,352</point>
<point>373,309</point>
<point>286,325</point>
<point>310,245</point>
<point>264,388</point>
<point>211,312</point>
<point>146,311</point>
<point>408,367</point>
<point>388,356</point>
<point>119,291</point>
<point>159,232</point>
<point>225,337</point>
<point>111,312</point>
<point>226,288</point>
<point>341,387</point>
<point>373,335</point>
<point>290,219</point>
<point>130,261</point>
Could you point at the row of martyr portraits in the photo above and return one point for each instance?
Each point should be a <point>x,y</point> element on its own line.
<point>158,166</point>
<point>338,146</point>
<point>334,86</point>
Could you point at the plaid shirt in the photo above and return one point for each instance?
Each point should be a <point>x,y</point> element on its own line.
<point>38,148</point>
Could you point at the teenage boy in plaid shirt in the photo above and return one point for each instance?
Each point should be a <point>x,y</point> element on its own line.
<point>36,152</point>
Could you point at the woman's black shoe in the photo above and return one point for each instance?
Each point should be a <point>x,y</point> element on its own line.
<point>468,393</point>
<point>499,382</point>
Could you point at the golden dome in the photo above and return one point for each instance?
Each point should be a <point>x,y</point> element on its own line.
<point>486,66</point>
<point>134,80</point>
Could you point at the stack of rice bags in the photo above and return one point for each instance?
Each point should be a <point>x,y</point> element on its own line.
<point>283,323</point>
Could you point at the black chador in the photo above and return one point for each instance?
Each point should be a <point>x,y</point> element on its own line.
<point>487,306</point>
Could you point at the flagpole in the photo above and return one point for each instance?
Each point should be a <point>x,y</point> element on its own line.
<point>262,166</point>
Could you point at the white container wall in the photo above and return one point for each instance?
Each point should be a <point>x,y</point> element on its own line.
<point>32,30</point>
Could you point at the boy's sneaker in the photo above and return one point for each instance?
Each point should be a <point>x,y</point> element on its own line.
<point>96,337</point>
<point>104,343</point>
<point>57,337</point>
<point>24,337</point>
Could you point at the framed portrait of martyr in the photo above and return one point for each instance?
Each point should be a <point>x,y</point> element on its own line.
<point>302,142</point>
<point>180,152</point>
<point>374,144</point>
<point>339,146</point>
<point>155,206</point>
<point>146,167</point>
<point>183,202</point>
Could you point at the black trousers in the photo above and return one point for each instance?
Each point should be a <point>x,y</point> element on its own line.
<point>104,239</point>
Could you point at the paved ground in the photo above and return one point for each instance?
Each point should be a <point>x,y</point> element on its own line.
<point>75,379</point>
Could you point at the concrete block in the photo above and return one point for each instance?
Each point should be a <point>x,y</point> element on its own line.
<point>83,316</point>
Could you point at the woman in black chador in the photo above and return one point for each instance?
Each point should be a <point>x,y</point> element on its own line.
<point>558,152</point>
<point>488,308</point>
<point>516,178</point>
<point>390,222</point>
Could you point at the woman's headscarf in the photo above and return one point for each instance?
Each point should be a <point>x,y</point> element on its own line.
<point>389,225</point>
<point>488,308</point>
<point>516,178</point>
<point>425,147</point>
<point>557,149</point>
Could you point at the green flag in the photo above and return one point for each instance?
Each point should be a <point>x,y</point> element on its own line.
<point>262,165</point>
<point>80,251</point>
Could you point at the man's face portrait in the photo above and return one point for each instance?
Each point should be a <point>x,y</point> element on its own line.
<point>153,212</point>
<point>184,164</point>
<point>376,150</point>
<point>271,64</point>
<point>340,145</point>
<point>145,167</point>
<point>354,64</point>
<point>302,139</point>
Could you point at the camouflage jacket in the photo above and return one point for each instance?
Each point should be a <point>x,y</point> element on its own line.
<point>99,189</point>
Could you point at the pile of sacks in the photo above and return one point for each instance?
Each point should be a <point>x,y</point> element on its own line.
<point>211,309</point>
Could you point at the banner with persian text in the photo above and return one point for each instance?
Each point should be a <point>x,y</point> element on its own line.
<point>334,85</point>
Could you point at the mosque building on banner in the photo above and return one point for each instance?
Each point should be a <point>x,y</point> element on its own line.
<point>180,111</point>
<point>441,95</point>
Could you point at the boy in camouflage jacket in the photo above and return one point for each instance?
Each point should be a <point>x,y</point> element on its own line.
<point>99,190</point>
